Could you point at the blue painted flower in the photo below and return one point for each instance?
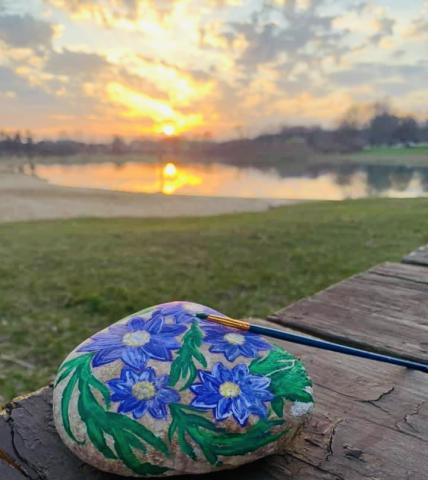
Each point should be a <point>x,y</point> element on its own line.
<point>181,312</point>
<point>233,344</point>
<point>232,392</point>
<point>134,342</point>
<point>141,392</point>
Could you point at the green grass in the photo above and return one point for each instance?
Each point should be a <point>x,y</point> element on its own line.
<point>411,157</point>
<point>60,281</point>
<point>403,151</point>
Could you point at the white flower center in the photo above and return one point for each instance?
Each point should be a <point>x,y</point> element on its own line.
<point>235,338</point>
<point>229,390</point>
<point>169,319</point>
<point>143,390</point>
<point>136,339</point>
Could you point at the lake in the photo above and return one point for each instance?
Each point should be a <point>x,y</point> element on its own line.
<point>220,179</point>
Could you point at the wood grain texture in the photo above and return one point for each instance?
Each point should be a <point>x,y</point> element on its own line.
<point>10,466</point>
<point>384,309</point>
<point>417,257</point>
<point>370,422</point>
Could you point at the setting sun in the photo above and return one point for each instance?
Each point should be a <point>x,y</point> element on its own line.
<point>168,130</point>
<point>161,69</point>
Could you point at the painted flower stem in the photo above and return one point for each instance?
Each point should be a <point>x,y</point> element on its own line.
<point>126,433</point>
<point>183,367</point>
<point>214,441</point>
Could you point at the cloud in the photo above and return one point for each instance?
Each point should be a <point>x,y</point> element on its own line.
<point>181,86</point>
<point>139,105</point>
<point>288,35</point>
<point>267,40</point>
<point>208,65</point>
<point>19,94</point>
<point>372,72</point>
<point>74,63</point>
<point>25,31</point>
<point>9,81</point>
<point>419,25</point>
<point>108,12</point>
<point>384,27</point>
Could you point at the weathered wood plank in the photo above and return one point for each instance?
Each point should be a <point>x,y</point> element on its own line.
<point>371,421</point>
<point>37,448</point>
<point>417,257</point>
<point>11,466</point>
<point>384,310</point>
<point>9,473</point>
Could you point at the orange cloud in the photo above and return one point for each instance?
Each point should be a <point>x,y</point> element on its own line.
<point>138,105</point>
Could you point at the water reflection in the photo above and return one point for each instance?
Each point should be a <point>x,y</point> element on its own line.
<point>173,179</point>
<point>219,179</point>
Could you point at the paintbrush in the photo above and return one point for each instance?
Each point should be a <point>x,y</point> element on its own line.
<point>312,342</point>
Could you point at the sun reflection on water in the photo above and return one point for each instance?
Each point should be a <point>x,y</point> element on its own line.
<point>174,178</point>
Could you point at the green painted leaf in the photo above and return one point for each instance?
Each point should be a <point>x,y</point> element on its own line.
<point>193,372</point>
<point>278,406</point>
<point>129,458</point>
<point>288,375</point>
<point>63,375</point>
<point>185,445</point>
<point>135,442</point>
<point>94,382</point>
<point>209,454</point>
<point>65,404</point>
<point>215,442</point>
<point>257,436</point>
<point>180,417</point>
<point>171,430</point>
<point>126,433</point>
<point>97,437</point>
<point>73,363</point>
<point>183,366</point>
<point>67,367</point>
<point>122,422</point>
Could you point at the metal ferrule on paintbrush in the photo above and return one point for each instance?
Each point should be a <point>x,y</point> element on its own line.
<point>226,321</point>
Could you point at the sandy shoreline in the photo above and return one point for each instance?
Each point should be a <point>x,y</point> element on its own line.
<point>24,197</point>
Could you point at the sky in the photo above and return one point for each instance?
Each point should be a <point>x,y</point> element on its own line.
<point>206,68</point>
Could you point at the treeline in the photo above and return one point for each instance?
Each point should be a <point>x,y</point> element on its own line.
<point>382,128</point>
<point>24,145</point>
<point>351,135</point>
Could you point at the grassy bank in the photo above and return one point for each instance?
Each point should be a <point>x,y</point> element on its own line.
<point>60,281</point>
<point>397,151</point>
<point>416,156</point>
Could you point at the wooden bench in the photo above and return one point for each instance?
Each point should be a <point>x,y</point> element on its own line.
<point>371,419</point>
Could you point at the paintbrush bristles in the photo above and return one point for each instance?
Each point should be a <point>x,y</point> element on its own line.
<point>227,322</point>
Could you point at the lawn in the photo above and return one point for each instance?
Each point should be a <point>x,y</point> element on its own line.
<point>60,281</point>
<point>416,156</point>
<point>403,151</point>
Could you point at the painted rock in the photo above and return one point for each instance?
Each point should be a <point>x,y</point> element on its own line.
<point>162,392</point>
